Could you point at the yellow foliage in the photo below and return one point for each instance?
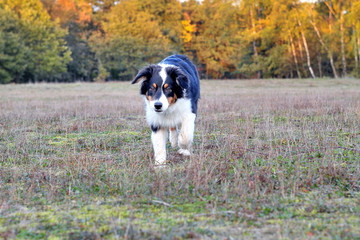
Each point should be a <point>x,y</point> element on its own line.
<point>188,28</point>
<point>128,19</point>
<point>30,11</point>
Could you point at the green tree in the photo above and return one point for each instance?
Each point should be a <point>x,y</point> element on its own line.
<point>168,14</point>
<point>84,64</point>
<point>76,17</point>
<point>131,37</point>
<point>214,42</point>
<point>279,33</point>
<point>13,52</point>
<point>48,54</point>
<point>253,16</point>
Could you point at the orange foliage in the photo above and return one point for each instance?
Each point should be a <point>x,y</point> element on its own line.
<point>85,11</point>
<point>67,11</point>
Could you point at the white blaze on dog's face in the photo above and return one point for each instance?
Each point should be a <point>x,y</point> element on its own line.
<point>160,87</point>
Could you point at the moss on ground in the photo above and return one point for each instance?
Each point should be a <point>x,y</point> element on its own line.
<point>310,215</point>
<point>271,160</point>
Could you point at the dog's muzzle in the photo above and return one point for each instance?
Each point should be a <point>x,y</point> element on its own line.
<point>158,106</point>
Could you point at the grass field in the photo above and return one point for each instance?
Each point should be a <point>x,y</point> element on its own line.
<point>272,159</point>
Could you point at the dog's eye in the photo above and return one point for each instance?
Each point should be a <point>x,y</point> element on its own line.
<point>153,87</point>
<point>168,90</point>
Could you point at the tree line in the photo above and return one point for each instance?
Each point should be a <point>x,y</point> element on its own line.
<point>99,40</point>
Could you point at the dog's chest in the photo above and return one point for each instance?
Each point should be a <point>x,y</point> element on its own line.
<point>172,117</point>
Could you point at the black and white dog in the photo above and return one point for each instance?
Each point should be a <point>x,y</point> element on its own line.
<point>171,90</point>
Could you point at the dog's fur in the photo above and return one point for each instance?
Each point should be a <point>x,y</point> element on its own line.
<point>171,90</point>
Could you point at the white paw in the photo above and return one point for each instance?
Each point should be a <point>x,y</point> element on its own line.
<point>184,142</point>
<point>184,152</point>
<point>160,166</point>
<point>173,143</point>
<point>160,161</point>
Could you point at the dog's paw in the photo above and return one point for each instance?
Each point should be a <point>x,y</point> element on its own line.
<point>160,158</point>
<point>160,166</point>
<point>173,143</point>
<point>184,152</point>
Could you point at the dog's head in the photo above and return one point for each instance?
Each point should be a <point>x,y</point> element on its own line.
<point>161,85</point>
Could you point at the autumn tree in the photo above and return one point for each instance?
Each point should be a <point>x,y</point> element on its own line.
<point>252,22</point>
<point>168,14</point>
<point>211,30</point>
<point>131,37</point>
<point>68,11</point>
<point>353,19</point>
<point>76,17</point>
<point>111,39</point>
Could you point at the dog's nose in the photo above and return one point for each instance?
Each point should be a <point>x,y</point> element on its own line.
<point>158,105</point>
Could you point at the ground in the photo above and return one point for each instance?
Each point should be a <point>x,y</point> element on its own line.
<point>272,159</point>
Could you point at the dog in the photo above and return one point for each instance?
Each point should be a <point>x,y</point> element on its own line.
<point>171,90</point>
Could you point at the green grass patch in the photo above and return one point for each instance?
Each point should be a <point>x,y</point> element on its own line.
<point>275,159</point>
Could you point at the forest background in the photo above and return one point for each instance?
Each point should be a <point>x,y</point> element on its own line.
<point>101,40</point>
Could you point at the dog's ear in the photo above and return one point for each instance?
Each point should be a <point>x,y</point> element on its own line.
<point>179,77</point>
<point>144,77</point>
<point>144,74</point>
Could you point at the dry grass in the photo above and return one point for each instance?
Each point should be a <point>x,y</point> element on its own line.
<point>272,159</point>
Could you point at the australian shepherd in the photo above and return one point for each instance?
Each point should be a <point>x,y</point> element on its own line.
<point>171,90</point>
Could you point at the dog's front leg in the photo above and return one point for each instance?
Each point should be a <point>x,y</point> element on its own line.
<point>158,138</point>
<point>173,136</point>
<point>186,134</point>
